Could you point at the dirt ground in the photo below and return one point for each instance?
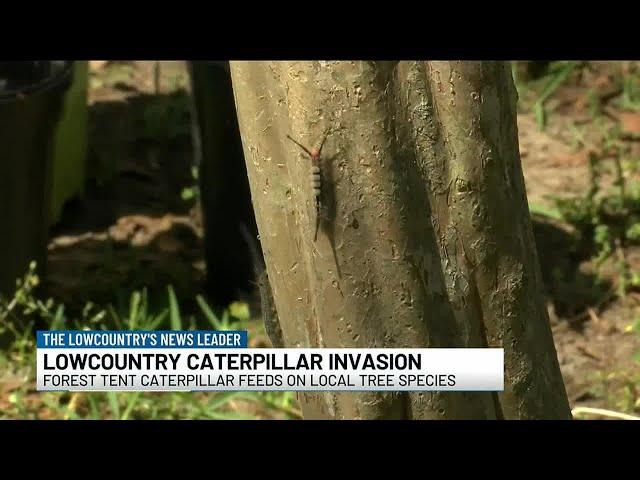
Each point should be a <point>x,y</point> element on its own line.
<point>134,229</point>
<point>592,327</point>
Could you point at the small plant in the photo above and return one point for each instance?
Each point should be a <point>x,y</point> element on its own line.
<point>606,218</point>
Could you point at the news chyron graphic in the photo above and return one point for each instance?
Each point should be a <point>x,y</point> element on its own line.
<point>163,361</point>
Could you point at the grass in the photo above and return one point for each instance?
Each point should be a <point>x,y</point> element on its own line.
<point>19,399</point>
<point>534,94</point>
<point>557,76</point>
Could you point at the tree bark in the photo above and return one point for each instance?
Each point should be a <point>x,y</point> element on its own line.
<point>427,241</point>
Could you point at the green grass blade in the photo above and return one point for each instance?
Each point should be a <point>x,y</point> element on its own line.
<point>208,313</point>
<point>112,397</point>
<point>94,411</point>
<point>538,110</point>
<point>174,310</point>
<point>549,89</point>
<point>154,323</point>
<point>225,323</point>
<point>130,405</point>
<point>133,310</point>
<point>58,319</point>
<point>556,80</point>
<point>221,399</point>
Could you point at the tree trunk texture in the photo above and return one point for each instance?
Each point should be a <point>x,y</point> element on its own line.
<point>426,239</point>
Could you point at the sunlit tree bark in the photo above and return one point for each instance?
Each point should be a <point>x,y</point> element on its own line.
<point>427,240</point>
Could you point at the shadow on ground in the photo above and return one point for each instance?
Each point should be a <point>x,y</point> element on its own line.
<point>569,282</point>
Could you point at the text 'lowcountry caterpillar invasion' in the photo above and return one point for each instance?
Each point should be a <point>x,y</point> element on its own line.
<point>231,361</point>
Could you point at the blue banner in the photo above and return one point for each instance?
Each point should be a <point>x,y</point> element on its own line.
<point>142,339</point>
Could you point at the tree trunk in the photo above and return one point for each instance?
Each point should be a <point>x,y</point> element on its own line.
<point>427,240</point>
<point>224,189</point>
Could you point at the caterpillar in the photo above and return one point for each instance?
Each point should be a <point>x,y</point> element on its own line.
<point>315,177</point>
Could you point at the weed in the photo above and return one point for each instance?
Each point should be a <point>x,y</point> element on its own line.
<point>557,76</point>
<point>607,217</point>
